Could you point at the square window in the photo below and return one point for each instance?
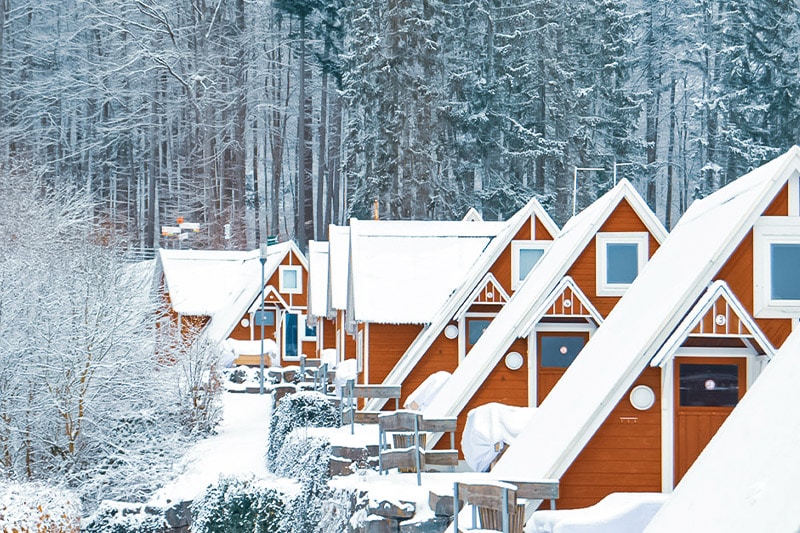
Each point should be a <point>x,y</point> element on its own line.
<point>620,258</point>
<point>524,256</point>
<point>475,328</point>
<point>776,267</point>
<point>264,317</point>
<point>291,279</point>
<point>309,331</point>
<point>703,385</point>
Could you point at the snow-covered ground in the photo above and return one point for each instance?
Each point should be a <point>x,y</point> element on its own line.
<point>238,448</point>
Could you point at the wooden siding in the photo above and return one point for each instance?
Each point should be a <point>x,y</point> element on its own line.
<point>387,343</point>
<point>731,325</point>
<point>541,232</point>
<point>328,334</point>
<point>584,270</point>
<point>780,204</point>
<point>624,455</point>
<point>509,387</point>
<point>442,355</point>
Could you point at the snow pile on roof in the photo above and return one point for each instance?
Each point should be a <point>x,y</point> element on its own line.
<point>403,271</point>
<point>519,314</point>
<point>746,477</point>
<point>318,278</point>
<point>640,323</point>
<point>338,264</point>
<point>488,427</point>
<point>620,512</point>
<point>200,282</point>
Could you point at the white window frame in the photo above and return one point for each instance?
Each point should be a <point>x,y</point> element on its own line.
<point>281,277</point>
<point>642,239</point>
<point>768,231</point>
<point>516,247</point>
<point>303,336</point>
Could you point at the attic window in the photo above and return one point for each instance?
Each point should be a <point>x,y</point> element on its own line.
<point>776,262</point>
<point>290,279</point>
<point>524,256</point>
<point>620,258</point>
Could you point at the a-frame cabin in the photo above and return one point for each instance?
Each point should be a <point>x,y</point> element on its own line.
<point>680,349</point>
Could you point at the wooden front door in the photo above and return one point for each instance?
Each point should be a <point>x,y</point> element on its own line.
<point>706,391</point>
<point>556,351</point>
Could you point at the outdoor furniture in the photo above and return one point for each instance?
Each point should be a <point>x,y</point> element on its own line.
<point>351,392</point>
<point>494,503</point>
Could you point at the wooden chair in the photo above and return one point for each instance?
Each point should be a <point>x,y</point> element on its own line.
<point>495,504</point>
<point>351,392</point>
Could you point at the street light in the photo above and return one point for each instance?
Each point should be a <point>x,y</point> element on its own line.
<point>262,256</point>
<point>620,165</point>
<point>575,185</point>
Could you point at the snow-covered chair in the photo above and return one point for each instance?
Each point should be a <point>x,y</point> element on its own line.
<point>495,503</point>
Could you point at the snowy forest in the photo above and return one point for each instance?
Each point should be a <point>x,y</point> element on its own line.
<point>278,117</point>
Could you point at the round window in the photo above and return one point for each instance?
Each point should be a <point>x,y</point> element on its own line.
<point>451,331</point>
<point>245,322</point>
<point>514,360</point>
<point>642,397</point>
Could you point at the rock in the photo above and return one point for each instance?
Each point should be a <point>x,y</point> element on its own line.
<point>346,452</point>
<point>340,467</point>
<point>436,524</point>
<point>388,509</point>
<point>441,504</point>
<point>377,524</point>
<point>179,515</point>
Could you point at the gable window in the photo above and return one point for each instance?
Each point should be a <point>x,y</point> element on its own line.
<point>776,267</point>
<point>620,258</point>
<point>290,279</point>
<point>524,256</point>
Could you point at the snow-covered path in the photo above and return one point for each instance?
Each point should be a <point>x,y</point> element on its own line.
<point>239,448</point>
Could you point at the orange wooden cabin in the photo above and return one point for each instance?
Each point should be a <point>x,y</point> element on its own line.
<point>650,388</point>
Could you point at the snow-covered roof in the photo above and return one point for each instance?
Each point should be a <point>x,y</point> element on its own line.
<point>402,272</point>
<point>338,265</point>
<point>528,302</point>
<point>200,282</point>
<point>225,319</point>
<point>317,278</point>
<point>746,477</point>
<point>463,292</point>
<point>641,322</point>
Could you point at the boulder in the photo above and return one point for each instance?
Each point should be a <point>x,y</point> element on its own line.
<point>388,509</point>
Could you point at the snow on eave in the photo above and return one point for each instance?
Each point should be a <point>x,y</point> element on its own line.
<point>472,216</point>
<point>640,323</point>
<point>318,278</point>
<point>529,297</point>
<point>723,492</point>
<point>428,335</point>
<point>717,289</point>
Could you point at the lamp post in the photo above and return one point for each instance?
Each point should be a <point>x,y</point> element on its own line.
<point>620,165</point>
<point>262,256</point>
<point>575,186</point>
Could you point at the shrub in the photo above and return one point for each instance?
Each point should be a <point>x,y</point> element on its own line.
<point>241,506</point>
<point>38,508</point>
<point>118,517</point>
<point>304,409</point>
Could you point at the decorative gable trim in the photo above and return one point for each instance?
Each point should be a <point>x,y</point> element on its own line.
<point>488,291</point>
<point>271,296</point>
<point>568,301</point>
<point>472,216</point>
<point>717,314</point>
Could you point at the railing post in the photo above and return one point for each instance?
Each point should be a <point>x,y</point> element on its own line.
<point>505,511</point>
<point>416,450</point>
<point>455,507</point>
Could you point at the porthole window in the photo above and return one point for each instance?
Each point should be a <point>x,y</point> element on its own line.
<point>642,397</point>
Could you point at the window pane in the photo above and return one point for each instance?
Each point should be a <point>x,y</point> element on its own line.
<point>559,352</point>
<point>311,331</point>
<point>266,317</point>
<point>622,262</point>
<point>709,385</point>
<point>475,330</point>
<point>528,257</point>
<point>785,271</point>
<point>290,335</point>
<point>290,279</point>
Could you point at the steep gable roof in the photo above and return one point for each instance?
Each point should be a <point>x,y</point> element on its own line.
<point>462,293</point>
<point>759,438</point>
<point>642,321</point>
<point>401,272</point>
<point>338,267</point>
<point>515,319</point>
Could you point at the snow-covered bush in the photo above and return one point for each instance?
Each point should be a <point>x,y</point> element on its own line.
<point>199,385</point>
<point>304,409</point>
<point>343,510</point>
<point>305,458</point>
<point>241,506</point>
<point>38,508</point>
<point>117,517</point>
